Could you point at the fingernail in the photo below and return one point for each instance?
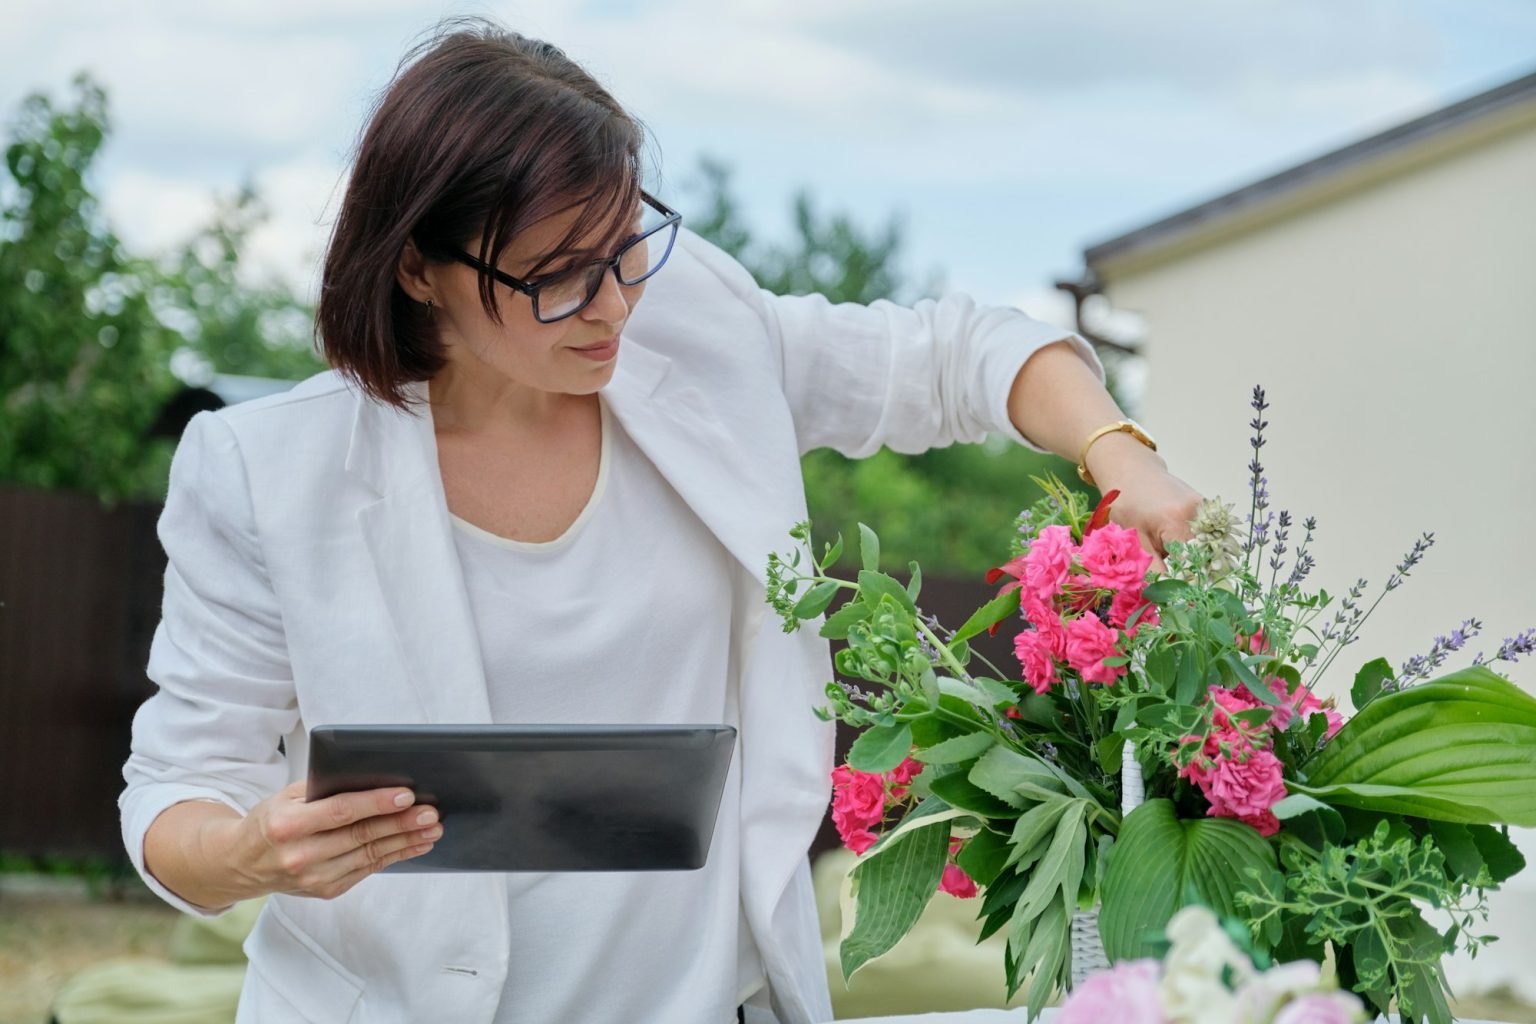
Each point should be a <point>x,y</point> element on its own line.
<point>404,799</point>
<point>426,817</point>
<point>432,833</point>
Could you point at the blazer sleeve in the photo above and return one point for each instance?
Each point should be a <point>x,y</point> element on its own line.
<point>859,378</point>
<point>219,655</point>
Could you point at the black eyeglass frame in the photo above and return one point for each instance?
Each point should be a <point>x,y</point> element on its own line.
<point>672,221</point>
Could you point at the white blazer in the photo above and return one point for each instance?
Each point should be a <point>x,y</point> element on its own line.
<point>313,579</point>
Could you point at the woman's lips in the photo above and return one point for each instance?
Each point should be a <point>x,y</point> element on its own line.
<point>601,351</point>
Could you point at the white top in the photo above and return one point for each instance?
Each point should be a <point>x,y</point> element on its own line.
<point>624,618</point>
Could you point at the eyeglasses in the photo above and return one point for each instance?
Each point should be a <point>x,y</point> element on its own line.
<point>567,293</point>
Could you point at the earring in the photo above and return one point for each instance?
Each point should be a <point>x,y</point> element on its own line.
<point>429,309</point>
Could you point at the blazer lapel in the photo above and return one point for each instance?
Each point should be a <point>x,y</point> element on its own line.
<point>410,539</point>
<point>727,487</point>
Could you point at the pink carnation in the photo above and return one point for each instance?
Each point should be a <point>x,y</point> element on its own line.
<point>1127,993</point>
<point>1115,559</point>
<point>1037,656</point>
<point>1245,787</point>
<point>1303,702</point>
<point>1047,563</point>
<point>956,882</point>
<point>1089,642</point>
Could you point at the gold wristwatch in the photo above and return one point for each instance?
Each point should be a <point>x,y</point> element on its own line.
<point>1123,426</point>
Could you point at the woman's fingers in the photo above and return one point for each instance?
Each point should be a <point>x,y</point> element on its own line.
<point>340,842</point>
<point>333,889</point>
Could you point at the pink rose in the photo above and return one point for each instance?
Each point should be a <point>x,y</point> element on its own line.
<point>858,840</point>
<point>1321,1008</point>
<point>1246,787</point>
<point>858,802</point>
<point>1115,559</point>
<point>1128,603</point>
<point>1038,659</point>
<point>901,777</point>
<point>1047,562</point>
<point>956,882</point>
<point>1127,993</point>
<point>1089,642</point>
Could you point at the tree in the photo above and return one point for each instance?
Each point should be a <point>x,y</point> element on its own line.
<point>89,332</point>
<point>952,509</point>
<point>84,362</point>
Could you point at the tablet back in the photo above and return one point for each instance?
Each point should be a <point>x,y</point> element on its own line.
<point>542,797</point>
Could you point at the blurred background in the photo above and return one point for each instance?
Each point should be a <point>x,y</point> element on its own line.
<point>1335,199</point>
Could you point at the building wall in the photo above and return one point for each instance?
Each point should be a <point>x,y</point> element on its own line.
<point>1395,332</point>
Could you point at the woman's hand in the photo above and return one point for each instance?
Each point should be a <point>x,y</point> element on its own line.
<point>1152,500</point>
<point>324,848</point>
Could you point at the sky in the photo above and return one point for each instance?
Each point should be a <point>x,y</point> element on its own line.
<point>1005,135</point>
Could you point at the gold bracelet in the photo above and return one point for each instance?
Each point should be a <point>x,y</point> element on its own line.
<point>1123,426</point>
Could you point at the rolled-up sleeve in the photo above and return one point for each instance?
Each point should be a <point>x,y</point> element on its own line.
<point>219,657</point>
<point>859,378</point>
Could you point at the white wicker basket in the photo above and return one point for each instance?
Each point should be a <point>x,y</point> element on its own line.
<point>1087,947</point>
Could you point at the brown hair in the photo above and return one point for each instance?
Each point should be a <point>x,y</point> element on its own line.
<point>481,132</point>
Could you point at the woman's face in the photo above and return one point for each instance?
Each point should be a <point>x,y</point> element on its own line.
<point>572,356</point>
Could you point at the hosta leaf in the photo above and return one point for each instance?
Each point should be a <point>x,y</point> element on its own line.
<point>1158,858</point>
<point>890,894</point>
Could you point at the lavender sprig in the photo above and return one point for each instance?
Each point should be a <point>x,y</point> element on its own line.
<point>1420,666</point>
<point>1257,482</point>
<point>1513,648</point>
<point>1357,618</point>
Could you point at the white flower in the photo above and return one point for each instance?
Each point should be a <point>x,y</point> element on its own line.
<point>1196,970</point>
<point>1216,531</point>
<point>1264,994</point>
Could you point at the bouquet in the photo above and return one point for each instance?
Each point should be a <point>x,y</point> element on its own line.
<point>1158,744</point>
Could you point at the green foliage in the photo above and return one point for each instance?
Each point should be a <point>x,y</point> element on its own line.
<point>948,508</point>
<point>1362,899</point>
<point>84,362</point>
<point>89,331</point>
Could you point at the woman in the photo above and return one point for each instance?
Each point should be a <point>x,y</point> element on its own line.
<point>522,495</point>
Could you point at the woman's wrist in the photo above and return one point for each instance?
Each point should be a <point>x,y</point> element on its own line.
<point>1116,456</point>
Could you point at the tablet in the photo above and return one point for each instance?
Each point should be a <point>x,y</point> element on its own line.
<point>541,797</point>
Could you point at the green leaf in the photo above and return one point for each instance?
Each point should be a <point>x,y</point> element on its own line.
<point>1158,858</point>
<point>1461,748</point>
<point>869,549</point>
<point>837,624</point>
<point>891,892</point>
<point>1368,682</point>
<point>954,751</point>
<point>1251,682</point>
<point>815,600</point>
<point>875,585</point>
<point>1316,823</point>
<point>988,615</point>
<point>1461,853</point>
<point>915,584</point>
<point>958,791</point>
<point>1166,591</point>
<point>983,856</point>
<point>881,748</point>
<point>1187,682</point>
<point>1032,828</point>
<point>1109,752</point>
<point>1001,770</point>
<point>1503,857</point>
<point>833,553</point>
